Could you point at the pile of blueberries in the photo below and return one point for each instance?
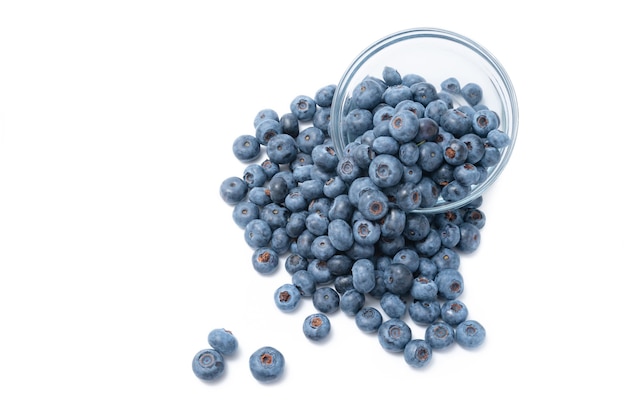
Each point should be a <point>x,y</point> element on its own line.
<point>344,224</point>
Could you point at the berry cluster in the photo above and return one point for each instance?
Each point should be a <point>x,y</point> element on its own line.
<point>347,226</point>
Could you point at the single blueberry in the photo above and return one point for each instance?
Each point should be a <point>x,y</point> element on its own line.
<point>244,212</point>
<point>431,156</point>
<point>417,353</point>
<point>472,93</point>
<point>281,149</point>
<point>265,114</point>
<point>324,96</point>
<point>208,364</point>
<point>470,237</point>
<point>394,334</point>
<point>246,148</point>
<point>470,334</point>
<point>351,301</point>
<point>290,124</point>
<point>304,282</point>
<point>326,300</point>
<point>266,364</point>
<point>424,92</point>
<point>303,107</point>
<point>454,312</point>
<point>484,121</point>
<point>424,312</point>
<point>424,289</point>
<point>316,326</point>
<point>363,276</point>
<point>233,190</point>
<point>451,85</point>
<point>393,305</point>
<point>450,283</point>
<point>267,129</point>
<point>265,260</point>
<point>287,297</point>
<point>368,319</point>
<point>257,233</point>
<point>398,278</point>
<point>340,234</point>
<point>223,341</point>
<point>309,138</point>
<point>439,335</point>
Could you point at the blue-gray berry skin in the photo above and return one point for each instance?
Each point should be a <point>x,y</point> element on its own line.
<point>267,364</point>
<point>386,171</point>
<point>265,114</point>
<point>394,334</point>
<point>430,245</point>
<point>244,212</point>
<point>385,144</point>
<point>290,124</point>
<point>475,147</point>
<point>309,138</point>
<point>417,353</point>
<point>233,190</point>
<point>424,289</point>
<point>339,264</point>
<point>435,109</point>
<point>424,92</point>
<point>393,223</point>
<point>316,326</point>
<point>351,302</point>
<point>439,335</point>
<point>393,305</point>
<point>429,192</point>
<point>265,260</point>
<point>257,233</point>
<point>446,258</point>
<point>404,125</point>
<point>373,205</point>
<point>367,94</point>
<point>450,283</point>
<point>326,300</point>
<point>368,319</point>
<point>303,107</point>
<point>343,284</point>
<point>470,334</point>
<point>472,93</point>
<point>456,121</point>
<point>363,275</point>
<point>451,85</point>
<point>287,297</point>
<point>398,278</point>
<point>246,148</point>
<point>324,96</point>
<point>454,312</point>
<point>484,121</point>
<point>295,262</point>
<point>223,341</point>
<point>323,248</point>
<point>365,232</point>
<point>470,237</point>
<point>454,191</point>
<point>320,272</point>
<point>391,76</point>
<point>266,130</point>
<point>358,121</point>
<point>259,196</point>
<point>281,149</point>
<point>431,156</point>
<point>304,282</point>
<point>475,216</point>
<point>340,234</point>
<point>208,364</point>
<point>334,187</point>
<point>424,312</point>
<point>498,138</point>
<point>450,235</point>
<point>409,257</point>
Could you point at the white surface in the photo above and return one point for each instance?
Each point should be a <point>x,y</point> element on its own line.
<point>117,256</point>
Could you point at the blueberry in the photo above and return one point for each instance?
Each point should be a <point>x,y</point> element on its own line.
<point>409,257</point>
<point>455,191</point>
<point>429,192</point>
<point>393,305</point>
<point>453,312</point>
<point>428,129</point>
<point>417,353</point>
<point>394,94</point>
<point>341,208</point>
<point>304,282</point>
<point>280,241</point>
<point>394,334</point>
<point>424,312</point>
<point>451,85</point>
<point>446,258</point>
<point>472,93</point>
<point>295,262</point>
<point>424,289</point>
<point>244,212</point>
<point>303,107</point>
<point>386,171</point>
<point>398,278</point>
<point>417,226</point>
<point>326,300</point>
<point>340,234</point>
<point>259,196</point>
<point>312,189</point>
<point>491,157</point>
<point>431,156</point>
<point>265,260</point>
<point>367,94</point>
<point>467,174</point>
<point>339,264</point>
<point>391,76</point>
<point>296,223</point>
<point>470,237</point>
<point>373,204</point>
<point>294,201</point>
<point>321,119</point>
<point>449,283</point>
<point>319,271</point>
<point>470,334</point>
<point>408,196</point>
<point>316,326</point>
<point>411,78</point>
<point>424,92</point>
<point>439,335</point>
<point>363,276</point>
<point>287,297</point>
<point>254,175</point>
<point>435,109</point>
<point>267,364</point>
<point>270,168</point>
<point>246,148</point>
<point>324,96</point>
<point>233,190</point>
<point>322,248</point>
<point>365,232</point>
<point>413,106</point>
<point>382,115</point>
<point>347,169</point>
<point>484,121</point>
<point>223,341</point>
<point>267,129</point>
<point>334,187</point>
<point>342,284</point>
<point>265,114</point>
<point>257,233</point>
<point>383,144</point>
<point>427,268</point>
<point>208,364</point>
<point>368,319</point>
<point>455,152</point>
<point>450,235</point>
<point>393,224</point>
<point>475,216</point>
<point>281,149</point>
<point>408,153</point>
<point>290,124</point>
<point>430,245</point>
<point>309,138</point>
<point>358,121</point>
<point>317,223</point>
<point>325,157</point>
<point>275,215</point>
<point>304,242</point>
<point>351,301</point>
<point>498,138</point>
<point>456,122</point>
<point>404,125</point>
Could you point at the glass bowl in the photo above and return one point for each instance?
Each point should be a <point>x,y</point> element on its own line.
<point>436,55</point>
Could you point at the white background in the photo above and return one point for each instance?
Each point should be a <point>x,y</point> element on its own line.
<point>117,255</point>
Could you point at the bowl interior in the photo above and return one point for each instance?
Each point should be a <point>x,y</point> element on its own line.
<point>436,55</point>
